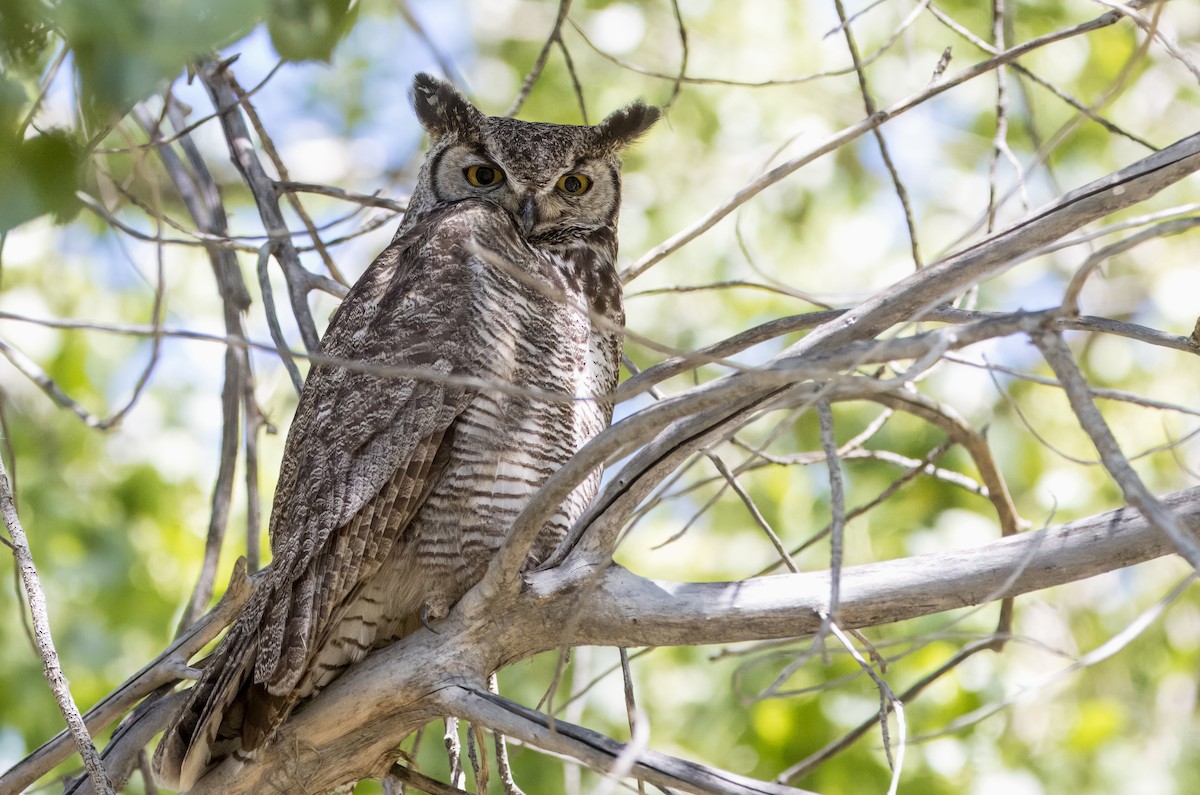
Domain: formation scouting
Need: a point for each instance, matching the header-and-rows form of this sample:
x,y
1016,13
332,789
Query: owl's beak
x,y
528,217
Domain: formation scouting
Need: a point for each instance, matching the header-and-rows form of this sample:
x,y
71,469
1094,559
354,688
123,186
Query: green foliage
x,y
107,532
125,50
308,30
39,174
117,518
25,31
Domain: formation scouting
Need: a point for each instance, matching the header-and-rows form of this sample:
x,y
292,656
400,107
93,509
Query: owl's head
x,y
558,181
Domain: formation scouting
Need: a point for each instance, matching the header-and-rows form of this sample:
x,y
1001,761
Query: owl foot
x,y
432,610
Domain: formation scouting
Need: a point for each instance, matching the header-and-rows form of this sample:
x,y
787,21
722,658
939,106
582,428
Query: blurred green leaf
x,y
24,32
308,30
39,175
124,50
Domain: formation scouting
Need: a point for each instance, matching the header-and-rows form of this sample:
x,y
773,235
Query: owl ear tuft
x,y
441,109
622,127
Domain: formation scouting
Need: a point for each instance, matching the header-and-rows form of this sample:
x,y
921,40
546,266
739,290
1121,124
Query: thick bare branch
x,y
631,611
349,730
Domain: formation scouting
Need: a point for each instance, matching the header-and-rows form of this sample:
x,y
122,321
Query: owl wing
x,y
362,447
363,450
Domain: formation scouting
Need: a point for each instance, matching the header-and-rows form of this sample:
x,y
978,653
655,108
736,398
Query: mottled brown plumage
x,y
397,487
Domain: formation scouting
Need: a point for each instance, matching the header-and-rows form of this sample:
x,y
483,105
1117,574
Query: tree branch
x,y
45,644
169,666
221,88
628,610
597,750
1058,356
350,729
948,277
845,136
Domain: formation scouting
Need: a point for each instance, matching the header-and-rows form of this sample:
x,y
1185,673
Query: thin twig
x,y
41,627
31,370
1000,138
576,86
43,89
638,724
1049,146
836,531
167,668
815,760
755,513
1101,393
226,97
222,493
195,125
564,6
837,505
149,787
884,153
1105,650
1154,31
454,752
423,783
252,422
477,756
503,767
770,83
677,86
1070,300
841,138
268,146
443,60
1059,357
888,701
914,469
1028,74
372,200
268,296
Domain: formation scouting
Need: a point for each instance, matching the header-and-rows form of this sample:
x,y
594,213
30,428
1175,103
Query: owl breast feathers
x,y
473,358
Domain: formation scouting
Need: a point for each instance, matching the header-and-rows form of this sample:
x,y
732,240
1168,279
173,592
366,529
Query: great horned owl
x,y
397,488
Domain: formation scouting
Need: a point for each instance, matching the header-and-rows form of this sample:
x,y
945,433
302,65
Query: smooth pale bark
x,y
349,730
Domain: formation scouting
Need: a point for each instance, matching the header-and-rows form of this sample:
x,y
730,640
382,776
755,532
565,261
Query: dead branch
x,y
227,98
1058,356
840,139
169,666
45,644
349,730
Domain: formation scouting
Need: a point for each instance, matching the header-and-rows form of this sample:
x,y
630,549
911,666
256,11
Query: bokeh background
x,y
117,518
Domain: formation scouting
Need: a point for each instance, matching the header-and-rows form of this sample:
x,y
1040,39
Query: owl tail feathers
x,y
206,729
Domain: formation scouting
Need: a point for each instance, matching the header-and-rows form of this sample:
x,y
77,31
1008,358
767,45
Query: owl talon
x,y
426,615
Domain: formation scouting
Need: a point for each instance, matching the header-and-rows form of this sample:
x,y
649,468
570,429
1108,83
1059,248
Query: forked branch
x,y
350,729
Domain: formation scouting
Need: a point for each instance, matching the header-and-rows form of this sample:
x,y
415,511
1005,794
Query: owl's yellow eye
x,y
574,184
482,176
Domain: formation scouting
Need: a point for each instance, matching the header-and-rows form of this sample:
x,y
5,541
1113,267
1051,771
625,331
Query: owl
x,y
474,357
